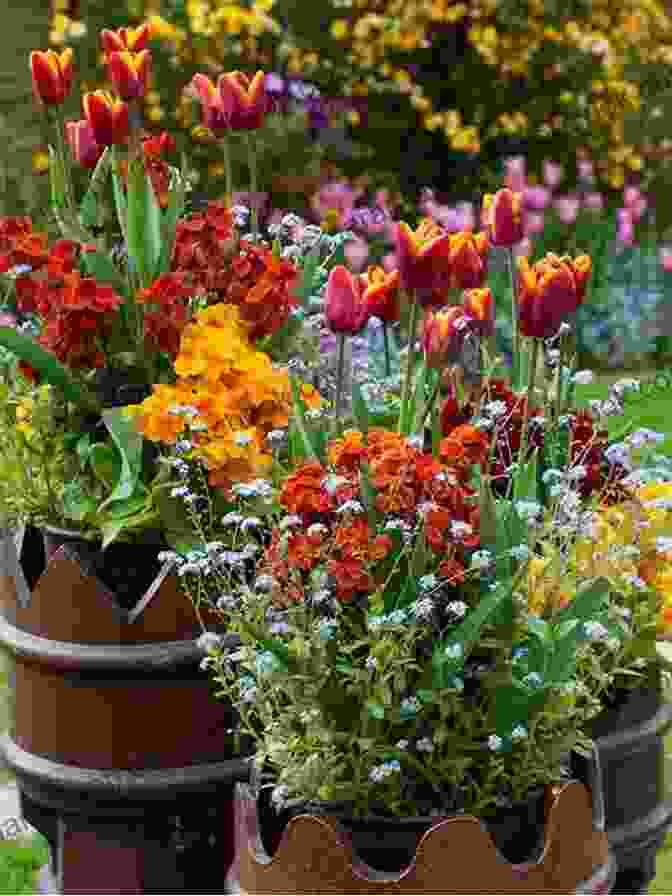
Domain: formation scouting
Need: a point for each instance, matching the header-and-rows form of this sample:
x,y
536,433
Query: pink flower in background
x,y
515,177
356,254
536,198
552,173
7,320
524,247
638,208
276,217
625,227
389,262
593,201
631,196
335,196
466,212
534,223
585,169
567,208
665,258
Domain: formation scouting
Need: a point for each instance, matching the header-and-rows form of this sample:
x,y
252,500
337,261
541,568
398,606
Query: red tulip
x,y
422,258
345,307
381,293
443,335
213,113
550,290
82,142
129,73
480,305
131,39
468,259
107,117
503,215
51,75
245,101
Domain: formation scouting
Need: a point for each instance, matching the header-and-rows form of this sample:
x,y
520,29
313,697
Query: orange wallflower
x,y
303,491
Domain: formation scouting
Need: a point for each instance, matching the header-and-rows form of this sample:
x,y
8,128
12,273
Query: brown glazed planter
x,y
456,855
116,741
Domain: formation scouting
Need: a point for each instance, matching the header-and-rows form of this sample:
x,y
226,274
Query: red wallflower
x,y
303,491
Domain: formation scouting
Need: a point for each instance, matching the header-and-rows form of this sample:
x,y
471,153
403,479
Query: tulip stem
x,y
410,363
431,401
511,264
252,158
531,382
340,376
228,175
386,348
63,161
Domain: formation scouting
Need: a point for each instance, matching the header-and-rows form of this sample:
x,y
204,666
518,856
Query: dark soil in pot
x,y
389,843
127,569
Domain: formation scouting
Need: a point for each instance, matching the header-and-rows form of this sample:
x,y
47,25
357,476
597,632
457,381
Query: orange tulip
x,y
345,308
129,73
443,336
381,293
503,214
107,116
51,75
422,256
549,293
245,101
132,39
480,304
468,259
82,142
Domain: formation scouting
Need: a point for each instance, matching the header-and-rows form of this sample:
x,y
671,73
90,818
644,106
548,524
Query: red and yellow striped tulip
x,y
51,75
129,73
107,117
245,100
213,114
422,258
133,40
443,336
549,293
480,305
381,293
468,259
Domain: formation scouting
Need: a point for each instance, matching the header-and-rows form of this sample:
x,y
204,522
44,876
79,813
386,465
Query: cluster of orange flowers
x,y
228,395
334,531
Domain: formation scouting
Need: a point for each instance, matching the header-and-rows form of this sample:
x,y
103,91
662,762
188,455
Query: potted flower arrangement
x,y
394,668
101,318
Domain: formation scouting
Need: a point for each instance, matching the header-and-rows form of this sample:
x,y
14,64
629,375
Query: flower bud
x,y
479,304
443,336
51,76
503,217
345,308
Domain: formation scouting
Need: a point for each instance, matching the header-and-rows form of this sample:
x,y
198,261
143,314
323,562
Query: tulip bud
x,y
107,117
129,73
443,336
244,101
549,293
503,214
82,142
381,293
345,308
51,76
480,305
468,259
